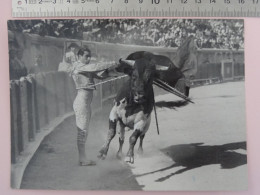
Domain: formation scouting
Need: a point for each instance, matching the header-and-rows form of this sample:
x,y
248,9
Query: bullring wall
x,y
52,50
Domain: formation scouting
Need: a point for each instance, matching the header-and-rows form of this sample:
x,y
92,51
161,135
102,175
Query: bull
x,y
134,102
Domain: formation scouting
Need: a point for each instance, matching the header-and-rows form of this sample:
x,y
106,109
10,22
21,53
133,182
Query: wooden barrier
x,y
14,121
31,107
60,92
51,97
38,99
41,114
70,92
24,111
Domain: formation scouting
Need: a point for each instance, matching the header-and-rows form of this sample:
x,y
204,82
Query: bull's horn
x,y
160,67
129,62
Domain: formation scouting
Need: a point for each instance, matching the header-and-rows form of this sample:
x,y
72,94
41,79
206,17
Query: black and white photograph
x,y
128,104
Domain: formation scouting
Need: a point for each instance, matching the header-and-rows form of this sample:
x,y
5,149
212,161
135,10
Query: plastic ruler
x,y
136,8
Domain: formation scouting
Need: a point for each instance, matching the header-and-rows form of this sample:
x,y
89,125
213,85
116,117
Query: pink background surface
x,y
252,64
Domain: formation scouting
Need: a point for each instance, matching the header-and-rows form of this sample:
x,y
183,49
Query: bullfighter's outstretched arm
x,y
96,67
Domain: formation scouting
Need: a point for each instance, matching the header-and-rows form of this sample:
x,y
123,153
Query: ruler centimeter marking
x,y
136,8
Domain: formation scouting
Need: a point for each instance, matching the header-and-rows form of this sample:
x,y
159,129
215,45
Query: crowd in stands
x,y
223,34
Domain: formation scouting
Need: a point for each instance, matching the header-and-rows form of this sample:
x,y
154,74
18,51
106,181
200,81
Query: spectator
x,y
135,31
69,58
70,55
17,66
38,66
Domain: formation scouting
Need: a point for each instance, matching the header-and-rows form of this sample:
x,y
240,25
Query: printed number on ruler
x,y
136,8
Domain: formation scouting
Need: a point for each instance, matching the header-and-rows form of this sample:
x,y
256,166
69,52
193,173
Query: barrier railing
x,y
38,99
214,80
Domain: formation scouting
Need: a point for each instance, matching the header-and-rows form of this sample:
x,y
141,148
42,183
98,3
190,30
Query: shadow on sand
x,y
195,155
171,104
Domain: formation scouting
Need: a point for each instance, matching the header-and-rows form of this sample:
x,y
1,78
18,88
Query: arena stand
x,y
220,34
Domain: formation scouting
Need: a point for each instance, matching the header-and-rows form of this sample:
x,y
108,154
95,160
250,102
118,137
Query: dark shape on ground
x,y
171,104
193,156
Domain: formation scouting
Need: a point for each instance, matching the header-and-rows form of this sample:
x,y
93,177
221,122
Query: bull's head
x,y
141,72
144,68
